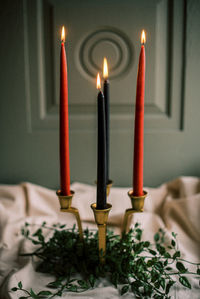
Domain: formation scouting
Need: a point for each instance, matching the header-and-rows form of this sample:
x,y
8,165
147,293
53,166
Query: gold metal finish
x,y
137,207
108,186
101,218
65,206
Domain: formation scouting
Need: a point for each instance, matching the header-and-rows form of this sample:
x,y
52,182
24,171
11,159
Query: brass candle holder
x,y
137,207
101,218
108,187
65,206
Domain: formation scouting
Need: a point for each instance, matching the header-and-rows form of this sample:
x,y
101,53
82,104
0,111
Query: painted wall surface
x,y
29,87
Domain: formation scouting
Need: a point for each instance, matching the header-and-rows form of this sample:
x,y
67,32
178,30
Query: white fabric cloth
x,y
174,206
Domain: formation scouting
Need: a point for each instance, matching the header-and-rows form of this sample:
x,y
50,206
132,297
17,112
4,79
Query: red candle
x,y
64,122
139,123
107,114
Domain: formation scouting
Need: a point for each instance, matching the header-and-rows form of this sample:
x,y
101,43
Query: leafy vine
x,y
132,265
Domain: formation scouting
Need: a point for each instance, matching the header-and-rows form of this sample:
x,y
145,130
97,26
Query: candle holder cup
x,y
65,206
137,203
108,187
101,218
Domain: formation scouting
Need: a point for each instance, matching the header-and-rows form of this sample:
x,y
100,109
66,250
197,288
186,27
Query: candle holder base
x,y
65,206
137,207
101,218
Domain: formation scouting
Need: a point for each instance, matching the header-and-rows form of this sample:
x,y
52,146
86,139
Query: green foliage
x,y
147,270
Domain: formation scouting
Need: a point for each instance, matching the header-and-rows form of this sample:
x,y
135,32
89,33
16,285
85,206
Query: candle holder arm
x,y
65,206
75,212
137,207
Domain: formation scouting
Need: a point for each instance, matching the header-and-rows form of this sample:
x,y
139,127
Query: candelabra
x,y
65,206
137,203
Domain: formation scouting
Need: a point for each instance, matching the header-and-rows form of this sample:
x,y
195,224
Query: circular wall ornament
x,y
107,42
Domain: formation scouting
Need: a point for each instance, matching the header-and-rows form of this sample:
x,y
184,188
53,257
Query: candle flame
x,y
105,68
143,37
98,81
63,34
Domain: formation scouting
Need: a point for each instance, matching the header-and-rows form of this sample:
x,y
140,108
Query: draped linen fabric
x,y
174,206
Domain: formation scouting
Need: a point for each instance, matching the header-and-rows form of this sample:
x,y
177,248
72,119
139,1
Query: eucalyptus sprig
x,y
132,265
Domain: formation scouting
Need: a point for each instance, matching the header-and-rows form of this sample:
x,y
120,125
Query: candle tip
x,y
143,37
98,81
63,34
105,68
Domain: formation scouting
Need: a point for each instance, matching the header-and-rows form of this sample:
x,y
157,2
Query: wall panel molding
x,y
165,65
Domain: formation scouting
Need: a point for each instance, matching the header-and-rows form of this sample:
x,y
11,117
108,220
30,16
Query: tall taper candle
x,y
107,114
64,122
101,160
139,123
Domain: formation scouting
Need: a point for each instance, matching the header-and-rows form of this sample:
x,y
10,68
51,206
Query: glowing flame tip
x,y
105,68
63,34
98,81
143,37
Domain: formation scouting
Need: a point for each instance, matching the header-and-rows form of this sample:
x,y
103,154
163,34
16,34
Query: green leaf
x,y
125,289
62,226
59,293
54,284
154,276
72,288
45,293
173,243
139,234
161,249
174,235
181,267
157,284
20,285
153,252
184,281
38,232
167,255
168,268
156,237
159,266
92,280
33,294
165,263
14,289
83,284
23,297
146,244
35,242
176,254
162,283
169,285
136,285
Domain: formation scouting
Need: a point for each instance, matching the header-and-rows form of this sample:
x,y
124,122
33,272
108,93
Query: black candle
x,y
101,162
107,114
